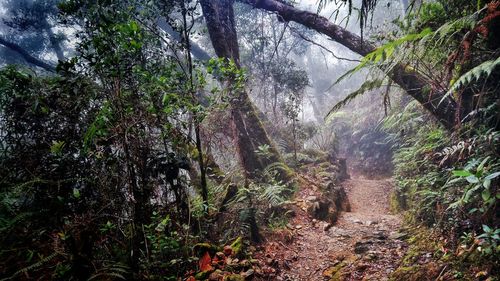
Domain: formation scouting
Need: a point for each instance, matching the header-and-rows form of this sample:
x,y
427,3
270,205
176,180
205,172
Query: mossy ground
x,y
429,257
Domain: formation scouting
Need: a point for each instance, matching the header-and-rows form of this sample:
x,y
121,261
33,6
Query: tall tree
x,y
247,128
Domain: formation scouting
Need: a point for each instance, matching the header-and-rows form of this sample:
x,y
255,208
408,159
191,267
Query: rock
x,y
370,257
228,250
245,264
290,226
201,248
216,275
298,226
203,275
234,277
360,248
398,235
362,266
334,270
237,246
312,198
380,235
357,221
248,273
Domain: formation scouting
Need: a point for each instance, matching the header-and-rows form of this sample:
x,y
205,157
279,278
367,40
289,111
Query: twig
x,y
321,46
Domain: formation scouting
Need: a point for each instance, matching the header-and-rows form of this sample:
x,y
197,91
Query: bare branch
x,y
27,56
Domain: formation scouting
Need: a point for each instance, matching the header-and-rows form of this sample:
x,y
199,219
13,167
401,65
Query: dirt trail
x,y
363,245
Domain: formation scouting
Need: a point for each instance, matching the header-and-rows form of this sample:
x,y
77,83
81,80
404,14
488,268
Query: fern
x,y
34,266
365,87
484,69
7,224
449,29
273,194
114,270
384,52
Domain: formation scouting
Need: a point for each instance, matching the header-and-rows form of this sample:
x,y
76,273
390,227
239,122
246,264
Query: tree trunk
x,y
408,79
248,131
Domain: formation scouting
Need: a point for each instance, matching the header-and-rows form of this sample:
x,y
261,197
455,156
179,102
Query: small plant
x,y
490,240
479,182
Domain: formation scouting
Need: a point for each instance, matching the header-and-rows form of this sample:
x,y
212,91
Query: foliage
x,y
483,70
450,186
97,150
365,87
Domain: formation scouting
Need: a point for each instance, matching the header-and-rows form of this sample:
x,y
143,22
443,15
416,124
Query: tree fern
x,y
484,69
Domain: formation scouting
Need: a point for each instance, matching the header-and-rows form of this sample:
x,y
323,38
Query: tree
x,y
443,109
247,128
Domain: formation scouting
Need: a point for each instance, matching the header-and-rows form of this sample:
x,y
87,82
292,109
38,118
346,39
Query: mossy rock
x,y
201,248
302,159
335,272
234,277
203,275
237,246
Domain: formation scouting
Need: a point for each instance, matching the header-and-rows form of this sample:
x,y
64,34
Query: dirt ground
x,y
365,244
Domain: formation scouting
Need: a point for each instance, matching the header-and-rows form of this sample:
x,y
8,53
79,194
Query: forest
x,y
250,140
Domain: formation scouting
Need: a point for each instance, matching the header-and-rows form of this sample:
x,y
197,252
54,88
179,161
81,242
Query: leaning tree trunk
x,y
408,79
248,131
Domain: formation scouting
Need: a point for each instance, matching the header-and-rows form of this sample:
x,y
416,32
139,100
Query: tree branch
x,y
411,81
26,56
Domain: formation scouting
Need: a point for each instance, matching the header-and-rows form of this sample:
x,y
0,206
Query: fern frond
x,y
274,167
449,29
483,70
7,224
384,52
365,87
36,265
115,270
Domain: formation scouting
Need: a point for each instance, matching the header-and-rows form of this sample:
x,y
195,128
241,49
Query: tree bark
x,y
247,128
409,80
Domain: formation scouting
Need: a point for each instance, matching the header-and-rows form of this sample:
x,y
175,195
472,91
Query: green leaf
x,y
486,194
481,166
76,193
472,179
487,183
492,176
462,173
469,193
486,228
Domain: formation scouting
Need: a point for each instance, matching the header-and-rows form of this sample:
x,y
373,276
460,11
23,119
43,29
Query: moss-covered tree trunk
x,y
248,131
